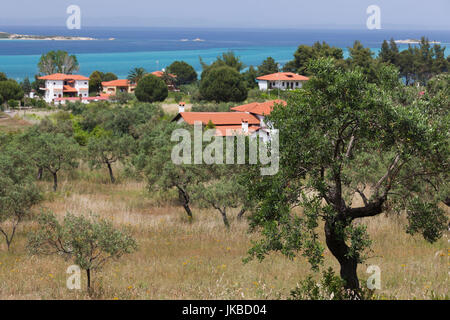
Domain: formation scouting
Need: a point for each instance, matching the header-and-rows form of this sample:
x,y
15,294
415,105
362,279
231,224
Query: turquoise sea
x,y
156,48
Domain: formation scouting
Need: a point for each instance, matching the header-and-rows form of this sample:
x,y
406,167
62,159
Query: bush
x,y
330,287
88,241
13,104
151,89
212,107
223,84
122,97
185,72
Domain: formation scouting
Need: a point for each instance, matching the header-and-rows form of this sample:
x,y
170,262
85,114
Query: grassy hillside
x,y
200,260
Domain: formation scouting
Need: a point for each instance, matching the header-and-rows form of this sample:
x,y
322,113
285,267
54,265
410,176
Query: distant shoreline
x,y
13,36
414,41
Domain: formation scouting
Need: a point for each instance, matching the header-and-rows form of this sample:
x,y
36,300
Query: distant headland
x,y
13,36
414,41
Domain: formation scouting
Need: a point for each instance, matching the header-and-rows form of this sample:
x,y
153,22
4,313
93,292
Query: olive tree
x,y
155,163
342,137
89,241
54,152
223,191
107,149
18,192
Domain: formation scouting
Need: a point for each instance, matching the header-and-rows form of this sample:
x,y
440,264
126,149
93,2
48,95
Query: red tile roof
x,y
69,89
283,76
226,131
62,77
219,118
258,108
83,98
116,83
160,74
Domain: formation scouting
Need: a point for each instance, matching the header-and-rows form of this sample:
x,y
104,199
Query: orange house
x,y
115,86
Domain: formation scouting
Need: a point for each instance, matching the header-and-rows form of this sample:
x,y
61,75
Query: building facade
x,y
249,119
281,81
59,86
115,86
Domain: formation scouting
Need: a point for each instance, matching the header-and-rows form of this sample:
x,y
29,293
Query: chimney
x,y
244,126
181,107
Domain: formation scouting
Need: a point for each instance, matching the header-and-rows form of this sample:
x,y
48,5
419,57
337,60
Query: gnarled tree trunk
x,y
185,199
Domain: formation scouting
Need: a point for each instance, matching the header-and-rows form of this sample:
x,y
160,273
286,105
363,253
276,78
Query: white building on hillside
x,y
59,86
281,80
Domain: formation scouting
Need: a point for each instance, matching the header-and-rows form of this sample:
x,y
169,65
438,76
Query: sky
x,y
395,14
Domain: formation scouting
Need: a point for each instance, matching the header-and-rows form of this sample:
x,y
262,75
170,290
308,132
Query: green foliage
x,y
106,149
18,192
154,162
250,77
89,241
305,54
58,62
185,72
26,86
96,79
95,82
10,90
227,59
54,152
361,58
223,84
349,135
421,63
389,52
151,89
13,104
136,74
212,107
268,66
222,192
123,97
427,219
330,287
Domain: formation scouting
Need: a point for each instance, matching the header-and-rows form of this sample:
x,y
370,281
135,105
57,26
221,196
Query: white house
x,y
59,86
249,119
281,80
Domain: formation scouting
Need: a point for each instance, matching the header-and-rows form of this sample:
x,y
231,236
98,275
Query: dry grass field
x,y
178,259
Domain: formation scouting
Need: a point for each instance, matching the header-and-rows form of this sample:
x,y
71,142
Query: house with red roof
x,y
59,86
170,82
111,88
248,119
281,80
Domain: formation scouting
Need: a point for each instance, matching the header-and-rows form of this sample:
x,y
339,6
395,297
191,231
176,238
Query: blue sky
x,y
395,14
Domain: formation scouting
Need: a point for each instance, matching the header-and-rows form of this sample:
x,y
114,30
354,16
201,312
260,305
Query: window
x,y
296,84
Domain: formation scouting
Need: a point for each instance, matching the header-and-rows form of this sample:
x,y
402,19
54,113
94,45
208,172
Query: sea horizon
x,y
154,48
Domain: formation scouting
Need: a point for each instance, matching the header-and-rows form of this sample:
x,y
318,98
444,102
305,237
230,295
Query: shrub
x,y
185,72
330,287
151,89
223,84
89,241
